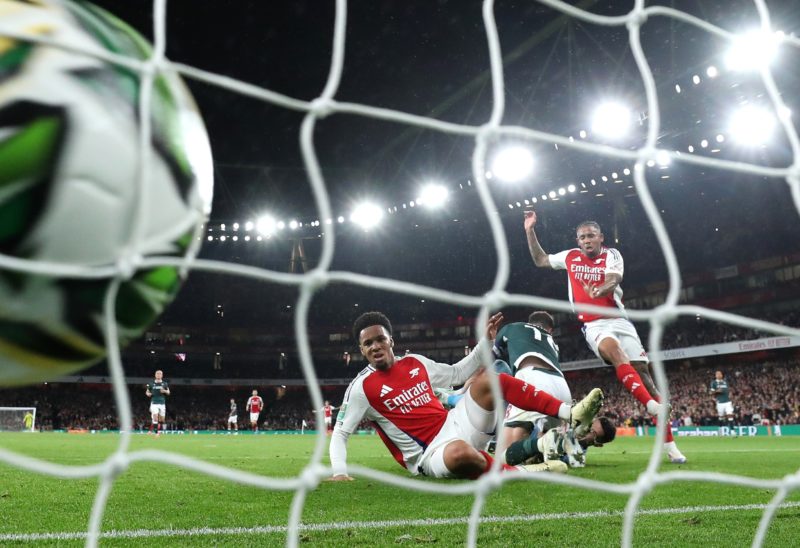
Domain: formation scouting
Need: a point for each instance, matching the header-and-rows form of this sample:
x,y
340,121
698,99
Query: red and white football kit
x,y
254,405
582,269
407,415
327,411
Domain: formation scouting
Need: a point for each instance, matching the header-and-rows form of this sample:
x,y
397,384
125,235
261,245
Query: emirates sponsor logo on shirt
x,y
410,398
586,273
385,390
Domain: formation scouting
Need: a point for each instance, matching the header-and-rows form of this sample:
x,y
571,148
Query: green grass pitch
x,y
151,497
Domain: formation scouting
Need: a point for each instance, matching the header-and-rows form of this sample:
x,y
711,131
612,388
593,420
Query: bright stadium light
x,y
433,195
752,51
751,125
512,163
367,215
266,225
611,120
293,224
249,225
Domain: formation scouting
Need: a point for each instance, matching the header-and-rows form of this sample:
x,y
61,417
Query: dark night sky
x,y
430,58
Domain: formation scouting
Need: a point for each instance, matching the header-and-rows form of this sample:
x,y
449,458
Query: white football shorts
x,y
232,419
159,409
467,421
254,417
724,409
620,330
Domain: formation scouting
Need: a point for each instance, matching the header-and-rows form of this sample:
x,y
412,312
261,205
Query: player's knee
x,y
461,458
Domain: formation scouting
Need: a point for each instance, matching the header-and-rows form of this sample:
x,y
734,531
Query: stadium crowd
x,y
761,392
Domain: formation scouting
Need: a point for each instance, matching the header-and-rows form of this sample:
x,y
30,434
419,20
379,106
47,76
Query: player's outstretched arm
x,y
338,454
539,256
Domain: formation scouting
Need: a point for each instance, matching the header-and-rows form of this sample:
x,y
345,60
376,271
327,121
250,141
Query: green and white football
x,y
71,190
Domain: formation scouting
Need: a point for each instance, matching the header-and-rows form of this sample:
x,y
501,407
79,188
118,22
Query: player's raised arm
x,y
444,376
539,256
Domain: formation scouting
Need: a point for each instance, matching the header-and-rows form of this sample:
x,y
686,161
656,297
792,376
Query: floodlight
x,y
662,158
266,225
512,163
433,195
293,224
611,120
367,215
752,51
249,225
751,125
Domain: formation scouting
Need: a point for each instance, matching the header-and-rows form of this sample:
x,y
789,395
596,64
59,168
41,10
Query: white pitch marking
x,y
322,527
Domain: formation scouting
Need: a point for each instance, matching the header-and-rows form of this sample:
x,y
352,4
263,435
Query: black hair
x,y
609,430
593,224
370,318
543,319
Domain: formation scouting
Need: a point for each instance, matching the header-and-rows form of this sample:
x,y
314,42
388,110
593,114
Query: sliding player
x,y
397,395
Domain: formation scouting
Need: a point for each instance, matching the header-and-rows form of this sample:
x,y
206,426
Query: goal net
x,y
17,419
308,284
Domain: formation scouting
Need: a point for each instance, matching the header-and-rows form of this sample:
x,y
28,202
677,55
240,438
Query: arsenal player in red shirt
x,y
594,274
396,394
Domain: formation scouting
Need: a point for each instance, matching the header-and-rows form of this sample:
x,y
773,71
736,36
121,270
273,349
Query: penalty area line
x,y
323,527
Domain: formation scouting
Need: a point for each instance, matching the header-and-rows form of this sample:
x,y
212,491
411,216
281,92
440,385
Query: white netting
x,y
495,299
17,419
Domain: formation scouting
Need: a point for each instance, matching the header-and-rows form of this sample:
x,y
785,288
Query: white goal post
x,y
17,419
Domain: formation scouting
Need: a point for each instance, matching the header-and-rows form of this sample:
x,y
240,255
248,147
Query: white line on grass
x,y
321,527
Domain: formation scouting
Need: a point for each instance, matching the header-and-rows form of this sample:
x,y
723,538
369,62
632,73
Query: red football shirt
x,y
581,269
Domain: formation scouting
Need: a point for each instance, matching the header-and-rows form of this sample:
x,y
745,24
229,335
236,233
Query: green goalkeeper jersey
x,y
515,341
720,390
156,394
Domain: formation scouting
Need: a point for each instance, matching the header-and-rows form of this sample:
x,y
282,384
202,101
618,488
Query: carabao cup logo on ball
x,y
70,190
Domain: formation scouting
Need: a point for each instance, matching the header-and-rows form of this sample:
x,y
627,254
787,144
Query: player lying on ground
x,y
541,446
594,274
397,395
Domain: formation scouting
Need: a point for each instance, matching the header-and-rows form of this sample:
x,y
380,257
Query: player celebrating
x,y
233,417
157,392
397,395
254,406
594,275
719,388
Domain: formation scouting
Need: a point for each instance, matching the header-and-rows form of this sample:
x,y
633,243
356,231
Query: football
x,y
74,190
